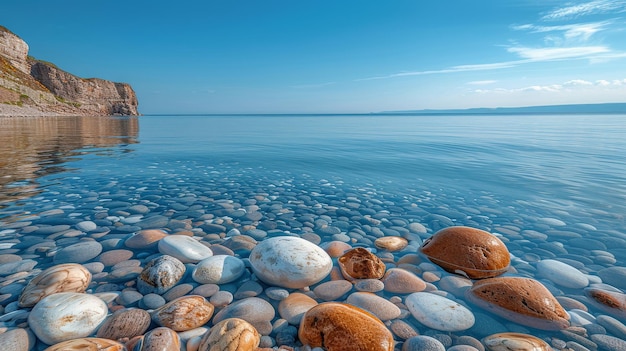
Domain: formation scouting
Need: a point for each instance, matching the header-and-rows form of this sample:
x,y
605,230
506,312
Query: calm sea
x,y
563,176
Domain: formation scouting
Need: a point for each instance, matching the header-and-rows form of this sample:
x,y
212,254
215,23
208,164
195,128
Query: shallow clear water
x,y
512,175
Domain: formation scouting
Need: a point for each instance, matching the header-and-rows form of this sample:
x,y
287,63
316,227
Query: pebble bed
x,y
122,230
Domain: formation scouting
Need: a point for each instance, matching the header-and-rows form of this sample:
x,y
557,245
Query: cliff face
x,y
33,87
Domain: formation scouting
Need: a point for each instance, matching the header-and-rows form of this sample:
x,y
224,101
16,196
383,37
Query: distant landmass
x,y
606,108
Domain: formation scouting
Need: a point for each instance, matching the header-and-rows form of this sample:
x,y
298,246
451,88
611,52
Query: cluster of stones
x,y
229,287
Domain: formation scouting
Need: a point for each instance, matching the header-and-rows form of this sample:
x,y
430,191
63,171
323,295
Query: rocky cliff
x,y
30,87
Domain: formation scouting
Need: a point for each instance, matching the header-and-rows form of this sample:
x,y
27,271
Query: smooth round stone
x,y
67,277
159,339
612,325
277,294
294,306
615,276
206,290
336,248
378,306
184,313
160,274
251,309
609,343
337,327
611,302
232,334
515,341
86,226
369,285
78,253
562,274
467,251
113,257
289,262
218,269
332,290
391,243
423,343
88,344
221,298
145,239
125,323
454,284
152,301
17,339
438,312
401,281
17,267
65,316
359,263
185,248
521,300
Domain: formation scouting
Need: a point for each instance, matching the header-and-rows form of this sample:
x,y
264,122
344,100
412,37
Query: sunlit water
x,y
507,174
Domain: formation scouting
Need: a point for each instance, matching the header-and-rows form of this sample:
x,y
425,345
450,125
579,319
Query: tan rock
x,y
159,339
184,313
125,323
467,251
336,248
68,277
401,281
343,327
359,263
232,334
521,300
391,243
17,339
145,239
515,341
294,306
87,344
611,302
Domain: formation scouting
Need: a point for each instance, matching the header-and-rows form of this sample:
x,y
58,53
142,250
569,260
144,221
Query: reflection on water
x,y
35,147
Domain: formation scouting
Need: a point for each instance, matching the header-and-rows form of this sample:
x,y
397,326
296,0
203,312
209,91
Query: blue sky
x,y
305,56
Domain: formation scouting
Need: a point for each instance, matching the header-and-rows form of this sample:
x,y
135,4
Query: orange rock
x,y
336,248
343,327
521,300
611,302
87,344
145,239
391,243
467,251
401,281
232,334
515,341
359,263
184,313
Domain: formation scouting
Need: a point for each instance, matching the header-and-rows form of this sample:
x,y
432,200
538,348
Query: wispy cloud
x,y
481,82
568,86
579,31
586,8
550,54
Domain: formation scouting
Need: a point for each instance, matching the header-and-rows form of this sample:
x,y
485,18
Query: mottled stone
x,y
611,302
289,262
359,263
232,334
343,327
87,344
125,323
391,243
521,300
184,313
470,252
515,341
159,339
401,281
294,306
68,277
160,274
609,343
17,339
378,306
438,312
65,316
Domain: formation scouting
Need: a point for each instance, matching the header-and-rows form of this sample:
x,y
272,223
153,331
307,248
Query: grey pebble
x,y
80,252
422,343
609,343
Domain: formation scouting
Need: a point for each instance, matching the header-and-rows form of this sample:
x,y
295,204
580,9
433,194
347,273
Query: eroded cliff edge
x,y
30,87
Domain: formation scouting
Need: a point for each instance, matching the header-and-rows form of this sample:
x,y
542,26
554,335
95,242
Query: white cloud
x,y
586,8
549,54
577,82
569,86
579,31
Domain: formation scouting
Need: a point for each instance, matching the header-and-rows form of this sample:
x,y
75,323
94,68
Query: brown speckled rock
x,y
521,300
467,251
160,274
67,277
516,342
159,339
391,243
359,263
125,323
232,334
184,313
87,344
611,302
17,340
343,327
